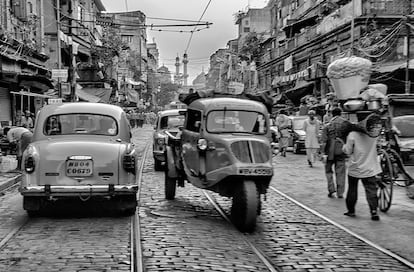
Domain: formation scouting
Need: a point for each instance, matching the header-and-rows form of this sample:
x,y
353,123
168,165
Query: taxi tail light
x,y
29,164
129,163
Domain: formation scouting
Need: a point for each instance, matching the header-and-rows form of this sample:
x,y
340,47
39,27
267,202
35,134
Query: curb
x,y
10,182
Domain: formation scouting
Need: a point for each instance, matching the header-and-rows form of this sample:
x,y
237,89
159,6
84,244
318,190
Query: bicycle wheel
x,y
386,183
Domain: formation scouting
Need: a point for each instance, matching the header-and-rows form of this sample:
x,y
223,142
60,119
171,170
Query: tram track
x,y
266,260
25,225
263,258
359,237
137,264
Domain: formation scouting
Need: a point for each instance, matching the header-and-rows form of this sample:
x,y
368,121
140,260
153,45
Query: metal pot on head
x,y
374,104
354,105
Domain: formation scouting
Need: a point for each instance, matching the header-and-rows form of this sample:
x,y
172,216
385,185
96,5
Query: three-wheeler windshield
x,y
239,121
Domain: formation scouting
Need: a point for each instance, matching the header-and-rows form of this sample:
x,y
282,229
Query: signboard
x,y
288,63
55,101
65,88
60,74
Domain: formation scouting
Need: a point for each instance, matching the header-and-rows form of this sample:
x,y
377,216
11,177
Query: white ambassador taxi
x,y
80,150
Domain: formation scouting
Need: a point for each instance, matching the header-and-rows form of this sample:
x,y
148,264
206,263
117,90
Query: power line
x,y
192,33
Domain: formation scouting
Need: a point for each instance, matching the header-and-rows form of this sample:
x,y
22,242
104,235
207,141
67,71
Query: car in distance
x,y
168,120
80,150
298,135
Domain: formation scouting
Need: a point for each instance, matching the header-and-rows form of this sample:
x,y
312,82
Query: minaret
x,y
177,67
185,75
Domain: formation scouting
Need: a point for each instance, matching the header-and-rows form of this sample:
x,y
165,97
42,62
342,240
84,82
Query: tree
x,y
112,46
167,93
251,47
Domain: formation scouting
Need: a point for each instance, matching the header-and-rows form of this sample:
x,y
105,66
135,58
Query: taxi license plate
x,y
255,171
79,168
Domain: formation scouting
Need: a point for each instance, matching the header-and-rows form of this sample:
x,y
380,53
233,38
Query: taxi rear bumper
x,y
92,190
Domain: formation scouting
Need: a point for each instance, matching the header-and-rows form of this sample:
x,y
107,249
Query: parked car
x,y
167,120
298,135
80,150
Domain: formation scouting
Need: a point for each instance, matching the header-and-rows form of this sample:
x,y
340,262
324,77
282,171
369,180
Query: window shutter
x,y
23,10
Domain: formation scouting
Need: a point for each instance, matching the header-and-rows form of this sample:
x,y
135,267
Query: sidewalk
x,y
307,185
9,179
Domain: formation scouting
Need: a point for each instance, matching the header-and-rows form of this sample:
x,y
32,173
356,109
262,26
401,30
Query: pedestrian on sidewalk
x,y
333,156
283,124
363,165
311,126
21,137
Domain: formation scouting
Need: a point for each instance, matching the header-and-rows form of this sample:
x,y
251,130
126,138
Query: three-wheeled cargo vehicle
x,y
223,147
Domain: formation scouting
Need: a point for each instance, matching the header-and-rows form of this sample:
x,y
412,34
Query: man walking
x,y
331,147
363,165
311,126
283,124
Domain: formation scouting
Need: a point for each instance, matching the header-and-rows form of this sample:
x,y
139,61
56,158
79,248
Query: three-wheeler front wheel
x,y
170,185
245,206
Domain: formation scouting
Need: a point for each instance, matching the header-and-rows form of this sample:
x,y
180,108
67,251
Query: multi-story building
x,y
24,78
133,61
70,36
308,35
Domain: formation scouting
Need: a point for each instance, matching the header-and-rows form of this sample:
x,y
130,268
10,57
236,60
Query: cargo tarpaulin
x,y
132,95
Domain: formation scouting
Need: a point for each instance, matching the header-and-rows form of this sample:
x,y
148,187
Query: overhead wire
x,y
192,33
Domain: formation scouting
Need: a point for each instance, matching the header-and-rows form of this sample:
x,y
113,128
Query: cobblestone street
x,y
188,234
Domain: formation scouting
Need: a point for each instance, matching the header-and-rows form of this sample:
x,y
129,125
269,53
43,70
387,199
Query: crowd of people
x,y
139,118
347,150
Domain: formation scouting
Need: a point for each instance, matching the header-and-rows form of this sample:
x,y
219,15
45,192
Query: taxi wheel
x,y
245,206
170,186
157,165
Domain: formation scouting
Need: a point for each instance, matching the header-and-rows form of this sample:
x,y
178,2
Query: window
x,y
81,13
231,121
30,8
173,121
85,124
246,29
246,22
193,120
127,38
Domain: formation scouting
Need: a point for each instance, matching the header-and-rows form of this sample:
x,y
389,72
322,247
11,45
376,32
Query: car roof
x,y
218,103
170,112
82,107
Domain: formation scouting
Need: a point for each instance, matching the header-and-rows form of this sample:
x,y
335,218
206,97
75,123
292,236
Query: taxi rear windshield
x,y
76,123
230,121
172,121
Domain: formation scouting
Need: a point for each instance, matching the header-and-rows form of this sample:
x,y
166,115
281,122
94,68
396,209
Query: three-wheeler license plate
x,y
79,168
255,171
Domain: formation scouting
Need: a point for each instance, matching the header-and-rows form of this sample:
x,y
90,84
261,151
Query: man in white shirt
x,y
363,165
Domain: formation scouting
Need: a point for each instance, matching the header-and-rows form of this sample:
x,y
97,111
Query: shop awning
x,y
33,94
36,81
301,89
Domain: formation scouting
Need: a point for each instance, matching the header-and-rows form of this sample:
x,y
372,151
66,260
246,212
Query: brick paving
x,y
186,234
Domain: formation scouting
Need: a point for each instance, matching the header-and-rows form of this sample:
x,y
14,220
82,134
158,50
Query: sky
x,y
203,43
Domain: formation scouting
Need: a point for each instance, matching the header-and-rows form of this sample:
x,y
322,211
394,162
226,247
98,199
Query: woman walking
x,y
283,125
311,126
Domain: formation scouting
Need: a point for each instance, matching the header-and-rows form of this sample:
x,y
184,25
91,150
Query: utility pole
x,y
59,57
72,77
407,69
